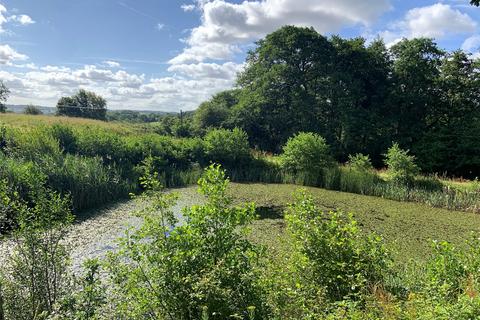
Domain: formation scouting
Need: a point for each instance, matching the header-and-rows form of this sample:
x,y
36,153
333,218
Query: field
x,y
31,121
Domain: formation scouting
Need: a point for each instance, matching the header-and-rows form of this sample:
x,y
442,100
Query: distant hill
x,y
20,108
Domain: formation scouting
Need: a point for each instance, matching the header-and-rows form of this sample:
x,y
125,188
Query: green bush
x,y
401,166
96,142
35,276
201,269
336,256
228,147
360,162
306,152
65,136
32,110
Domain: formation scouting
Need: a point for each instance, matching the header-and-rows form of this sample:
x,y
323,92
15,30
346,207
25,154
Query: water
x,y
98,231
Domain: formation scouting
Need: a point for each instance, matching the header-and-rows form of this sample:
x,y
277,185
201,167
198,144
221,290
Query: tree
x,y
285,86
216,112
475,2
83,104
32,110
414,94
449,145
4,93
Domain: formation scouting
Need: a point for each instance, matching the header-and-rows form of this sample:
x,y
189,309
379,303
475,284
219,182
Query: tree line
x,y
361,97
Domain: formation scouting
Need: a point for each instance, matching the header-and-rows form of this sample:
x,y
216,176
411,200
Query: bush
x,y
336,256
201,269
401,166
96,142
228,147
35,275
65,136
32,110
360,162
306,152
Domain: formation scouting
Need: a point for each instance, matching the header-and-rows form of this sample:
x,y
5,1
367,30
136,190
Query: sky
x,y
171,55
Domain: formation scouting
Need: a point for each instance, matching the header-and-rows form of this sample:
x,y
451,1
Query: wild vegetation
x,y
307,111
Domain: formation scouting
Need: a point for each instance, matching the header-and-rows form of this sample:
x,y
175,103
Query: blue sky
x,y
171,55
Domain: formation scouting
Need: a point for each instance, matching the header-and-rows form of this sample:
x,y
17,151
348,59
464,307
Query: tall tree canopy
x,y
361,97
83,104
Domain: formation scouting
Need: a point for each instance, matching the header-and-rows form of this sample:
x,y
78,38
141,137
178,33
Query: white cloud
x,y
187,7
111,64
227,71
435,21
191,85
160,26
8,54
22,19
3,19
471,44
226,25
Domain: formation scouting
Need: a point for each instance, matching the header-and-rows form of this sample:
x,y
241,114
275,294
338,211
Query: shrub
x,y
336,256
228,147
96,142
401,166
306,152
360,162
32,110
35,277
65,137
201,269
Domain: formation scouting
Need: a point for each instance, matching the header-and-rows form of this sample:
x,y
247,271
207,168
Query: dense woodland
x,y
360,97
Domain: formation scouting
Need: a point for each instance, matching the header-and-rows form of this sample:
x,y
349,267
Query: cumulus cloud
x,y
435,21
22,19
472,45
225,71
8,55
186,89
187,7
111,64
226,25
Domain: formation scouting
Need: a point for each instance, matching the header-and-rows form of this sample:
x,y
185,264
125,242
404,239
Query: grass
x,y
29,121
407,227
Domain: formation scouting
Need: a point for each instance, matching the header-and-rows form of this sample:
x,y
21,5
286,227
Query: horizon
x,y
171,56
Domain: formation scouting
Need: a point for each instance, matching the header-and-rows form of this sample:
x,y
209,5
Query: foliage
x,y
216,111
35,276
228,147
360,163
83,104
306,152
201,268
32,110
338,257
401,166
4,93
87,299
